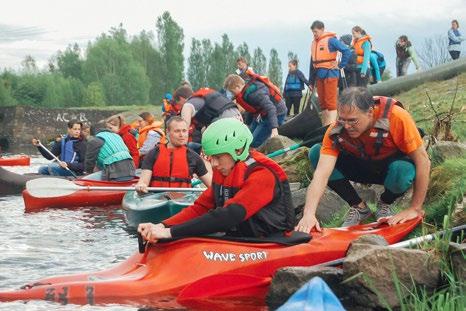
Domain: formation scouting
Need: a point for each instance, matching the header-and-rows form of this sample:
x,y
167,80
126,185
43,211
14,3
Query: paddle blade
x,y
225,285
50,187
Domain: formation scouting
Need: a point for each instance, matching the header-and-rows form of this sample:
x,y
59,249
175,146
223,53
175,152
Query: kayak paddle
x,y
408,243
57,159
56,187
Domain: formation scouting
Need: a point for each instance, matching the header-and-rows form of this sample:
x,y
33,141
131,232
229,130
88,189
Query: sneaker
x,y
356,215
383,210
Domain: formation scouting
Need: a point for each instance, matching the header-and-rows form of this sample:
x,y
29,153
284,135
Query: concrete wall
x,y
18,125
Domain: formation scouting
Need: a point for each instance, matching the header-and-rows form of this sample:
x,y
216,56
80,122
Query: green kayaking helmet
x,y
227,136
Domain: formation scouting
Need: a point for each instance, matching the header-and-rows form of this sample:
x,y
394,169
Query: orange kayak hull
x,y
79,198
21,160
168,269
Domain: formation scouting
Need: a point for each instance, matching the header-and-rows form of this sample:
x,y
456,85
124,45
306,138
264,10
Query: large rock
x,y
444,150
370,271
299,197
297,166
277,143
458,261
458,216
288,280
332,204
364,242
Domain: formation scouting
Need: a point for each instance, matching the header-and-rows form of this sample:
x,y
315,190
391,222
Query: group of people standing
x,y
213,135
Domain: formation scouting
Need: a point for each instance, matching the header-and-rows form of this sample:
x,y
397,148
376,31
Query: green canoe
x,y
155,207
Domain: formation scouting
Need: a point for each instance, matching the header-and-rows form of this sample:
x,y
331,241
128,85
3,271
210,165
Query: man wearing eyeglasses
x,y
373,141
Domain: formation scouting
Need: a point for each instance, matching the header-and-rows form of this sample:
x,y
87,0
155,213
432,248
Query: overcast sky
x,y
41,28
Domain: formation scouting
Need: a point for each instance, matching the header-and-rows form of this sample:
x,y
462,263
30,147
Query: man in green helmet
x,y
249,197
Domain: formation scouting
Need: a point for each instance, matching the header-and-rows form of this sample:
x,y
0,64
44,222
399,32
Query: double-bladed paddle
x,y
56,187
57,159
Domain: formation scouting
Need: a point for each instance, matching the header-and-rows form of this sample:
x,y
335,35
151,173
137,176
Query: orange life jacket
x,y
170,109
279,211
145,130
380,145
274,91
171,168
358,50
321,55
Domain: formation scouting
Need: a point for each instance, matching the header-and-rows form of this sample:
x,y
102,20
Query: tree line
x,y
118,69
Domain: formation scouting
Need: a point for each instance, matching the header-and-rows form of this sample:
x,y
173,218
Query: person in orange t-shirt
x,y
373,141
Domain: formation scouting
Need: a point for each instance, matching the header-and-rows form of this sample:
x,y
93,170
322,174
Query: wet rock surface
x,y
458,261
366,279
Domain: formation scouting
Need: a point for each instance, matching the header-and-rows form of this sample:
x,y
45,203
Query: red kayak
x,y
79,198
19,160
201,268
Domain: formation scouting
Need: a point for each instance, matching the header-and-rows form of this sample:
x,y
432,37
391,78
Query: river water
x,y
60,241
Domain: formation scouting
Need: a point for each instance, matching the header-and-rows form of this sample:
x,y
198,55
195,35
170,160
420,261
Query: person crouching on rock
x,y
108,153
250,195
373,141
173,164
70,150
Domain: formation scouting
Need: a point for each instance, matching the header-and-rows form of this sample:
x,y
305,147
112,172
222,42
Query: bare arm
x,y
315,191
207,179
421,183
187,113
144,181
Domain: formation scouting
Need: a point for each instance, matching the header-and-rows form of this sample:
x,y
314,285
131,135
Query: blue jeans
x,y
261,129
54,169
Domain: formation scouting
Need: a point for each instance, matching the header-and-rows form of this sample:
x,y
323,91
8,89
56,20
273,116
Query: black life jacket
x,y
276,217
215,104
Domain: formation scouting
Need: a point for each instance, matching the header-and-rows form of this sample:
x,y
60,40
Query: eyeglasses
x,y
350,122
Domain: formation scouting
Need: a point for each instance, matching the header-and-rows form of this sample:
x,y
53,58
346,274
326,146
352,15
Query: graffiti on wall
x,y
66,117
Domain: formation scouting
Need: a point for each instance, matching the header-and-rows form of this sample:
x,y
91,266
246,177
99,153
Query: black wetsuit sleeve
x,y
220,219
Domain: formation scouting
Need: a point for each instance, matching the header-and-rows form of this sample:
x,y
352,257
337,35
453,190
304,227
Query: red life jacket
x,y
170,109
321,55
171,168
358,50
214,105
274,91
277,216
378,137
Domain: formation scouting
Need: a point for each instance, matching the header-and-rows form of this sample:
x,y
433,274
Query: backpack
x,y
380,61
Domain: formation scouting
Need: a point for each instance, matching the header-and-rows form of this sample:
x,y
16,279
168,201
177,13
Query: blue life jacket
x,y
293,83
67,153
450,41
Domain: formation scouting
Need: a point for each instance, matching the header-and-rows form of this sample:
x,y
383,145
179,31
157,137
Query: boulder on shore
x,y
375,274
